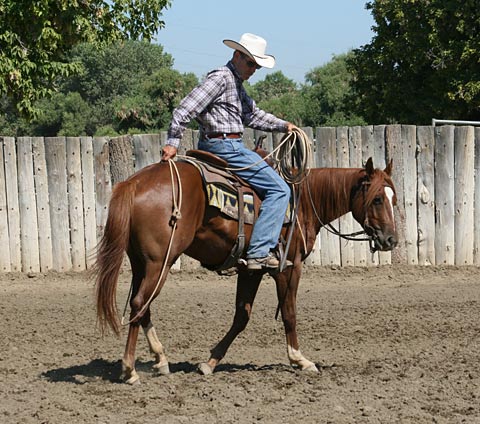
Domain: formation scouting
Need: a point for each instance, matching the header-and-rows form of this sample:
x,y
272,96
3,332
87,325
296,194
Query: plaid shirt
x,y
220,104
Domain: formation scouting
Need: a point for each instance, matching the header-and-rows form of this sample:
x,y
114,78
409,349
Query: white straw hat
x,y
254,47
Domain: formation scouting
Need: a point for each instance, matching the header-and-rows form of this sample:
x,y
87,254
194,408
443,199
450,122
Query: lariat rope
x,y
292,157
176,215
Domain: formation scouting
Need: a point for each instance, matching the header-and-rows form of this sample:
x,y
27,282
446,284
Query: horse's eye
x,y
377,200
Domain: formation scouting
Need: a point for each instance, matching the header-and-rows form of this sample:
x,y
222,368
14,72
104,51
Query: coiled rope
x,y
292,157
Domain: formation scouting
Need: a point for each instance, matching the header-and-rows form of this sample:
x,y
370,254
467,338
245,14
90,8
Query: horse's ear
x,y
369,166
388,169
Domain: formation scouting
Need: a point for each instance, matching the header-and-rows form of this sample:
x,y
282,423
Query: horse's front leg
x,y
287,287
247,287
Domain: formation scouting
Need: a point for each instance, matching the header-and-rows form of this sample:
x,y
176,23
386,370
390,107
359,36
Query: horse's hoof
x,y
133,380
205,369
162,369
311,368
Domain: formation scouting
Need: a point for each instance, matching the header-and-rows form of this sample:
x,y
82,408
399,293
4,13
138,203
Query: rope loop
x,y
293,156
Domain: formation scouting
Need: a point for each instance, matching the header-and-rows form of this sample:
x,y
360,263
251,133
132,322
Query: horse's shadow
x,y
104,370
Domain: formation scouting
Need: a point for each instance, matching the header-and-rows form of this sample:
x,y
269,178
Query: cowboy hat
x,y
254,47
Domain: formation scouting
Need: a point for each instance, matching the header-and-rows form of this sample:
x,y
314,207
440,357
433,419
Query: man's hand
x,y
290,127
168,152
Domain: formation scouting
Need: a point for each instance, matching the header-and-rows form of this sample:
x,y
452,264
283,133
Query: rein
x,y
176,215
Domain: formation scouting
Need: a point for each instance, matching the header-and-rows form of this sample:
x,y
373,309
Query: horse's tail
x,y
110,254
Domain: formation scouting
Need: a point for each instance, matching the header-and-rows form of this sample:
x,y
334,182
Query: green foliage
x,y
113,81
36,35
423,62
325,94
62,114
279,95
273,86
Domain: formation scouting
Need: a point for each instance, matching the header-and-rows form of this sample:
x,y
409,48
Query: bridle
x,y
355,236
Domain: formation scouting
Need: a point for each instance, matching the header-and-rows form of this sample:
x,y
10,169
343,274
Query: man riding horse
x,y
222,107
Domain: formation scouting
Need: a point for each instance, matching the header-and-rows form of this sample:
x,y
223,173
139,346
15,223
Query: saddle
x,y
230,194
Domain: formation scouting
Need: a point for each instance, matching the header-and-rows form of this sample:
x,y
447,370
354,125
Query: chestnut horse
x,y
140,223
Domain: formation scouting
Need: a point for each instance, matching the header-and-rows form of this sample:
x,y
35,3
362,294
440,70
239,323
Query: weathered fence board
x,y
5,261
463,191
88,183
476,219
75,203
444,196
54,193
55,150
410,192
426,196
11,190
146,150
27,207
43,204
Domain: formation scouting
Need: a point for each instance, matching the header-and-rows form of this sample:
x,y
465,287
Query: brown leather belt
x,y
224,135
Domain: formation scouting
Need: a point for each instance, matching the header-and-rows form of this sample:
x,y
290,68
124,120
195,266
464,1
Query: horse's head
x,y
372,206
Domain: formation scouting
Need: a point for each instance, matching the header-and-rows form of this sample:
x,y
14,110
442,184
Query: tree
x,y
422,63
112,74
62,114
325,95
36,35
279,95
273,86
152,107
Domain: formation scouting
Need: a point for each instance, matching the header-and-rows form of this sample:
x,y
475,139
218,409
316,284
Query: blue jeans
x,y
272,189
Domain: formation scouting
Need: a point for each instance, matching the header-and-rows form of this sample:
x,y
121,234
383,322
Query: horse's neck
x,y
330,190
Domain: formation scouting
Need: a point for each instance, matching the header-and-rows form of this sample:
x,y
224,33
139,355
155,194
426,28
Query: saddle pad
x,y
227,202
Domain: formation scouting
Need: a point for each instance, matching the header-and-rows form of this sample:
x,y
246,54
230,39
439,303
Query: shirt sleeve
x,y
193,104
256,118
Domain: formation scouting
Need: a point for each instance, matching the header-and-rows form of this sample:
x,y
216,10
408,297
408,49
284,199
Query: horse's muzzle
x,y
384,242
380,240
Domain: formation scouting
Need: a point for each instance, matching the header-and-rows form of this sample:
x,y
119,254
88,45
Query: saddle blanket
x,y
227,202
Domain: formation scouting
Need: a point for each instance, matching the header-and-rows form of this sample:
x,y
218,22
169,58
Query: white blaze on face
x,y
389,193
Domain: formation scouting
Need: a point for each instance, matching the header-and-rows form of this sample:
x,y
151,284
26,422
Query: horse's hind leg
x,y
247,287
141,294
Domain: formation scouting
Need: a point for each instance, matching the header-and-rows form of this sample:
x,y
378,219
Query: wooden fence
x,y
54,193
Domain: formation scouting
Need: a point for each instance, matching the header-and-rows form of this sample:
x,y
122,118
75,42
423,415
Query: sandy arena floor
x,y
394,345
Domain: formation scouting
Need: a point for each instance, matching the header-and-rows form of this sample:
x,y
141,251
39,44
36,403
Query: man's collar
x,y
231,66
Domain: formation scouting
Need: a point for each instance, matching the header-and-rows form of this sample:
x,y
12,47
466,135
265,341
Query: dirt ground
x,y
393,345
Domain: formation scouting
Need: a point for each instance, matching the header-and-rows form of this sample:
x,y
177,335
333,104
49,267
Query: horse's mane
x,y
334,187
